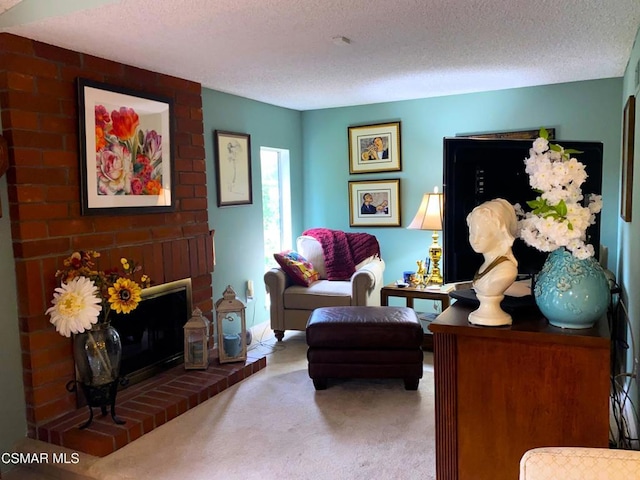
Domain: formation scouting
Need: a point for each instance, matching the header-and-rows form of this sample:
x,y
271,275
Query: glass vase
x,y
570,292
97,353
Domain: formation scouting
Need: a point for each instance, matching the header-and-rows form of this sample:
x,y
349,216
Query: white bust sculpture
x,y
492,230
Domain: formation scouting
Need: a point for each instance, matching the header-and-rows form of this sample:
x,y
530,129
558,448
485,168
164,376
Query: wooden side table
x,y
501,391
411,293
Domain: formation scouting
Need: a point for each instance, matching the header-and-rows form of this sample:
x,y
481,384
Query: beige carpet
x,y
274,425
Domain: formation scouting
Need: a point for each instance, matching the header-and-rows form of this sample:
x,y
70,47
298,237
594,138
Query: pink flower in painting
x,y
102,116
153,145
137,186
143,167
113,170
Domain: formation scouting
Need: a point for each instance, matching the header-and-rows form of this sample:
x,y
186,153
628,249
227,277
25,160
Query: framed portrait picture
x,y
126,160
628,137
374,203
374,148
233,168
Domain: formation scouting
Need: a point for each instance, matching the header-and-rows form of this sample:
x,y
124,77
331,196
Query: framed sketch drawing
x,y
233,168
628,137
126,161
374,203
374,148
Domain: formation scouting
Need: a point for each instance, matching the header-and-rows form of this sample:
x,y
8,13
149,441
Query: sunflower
x,y
76,306
124,296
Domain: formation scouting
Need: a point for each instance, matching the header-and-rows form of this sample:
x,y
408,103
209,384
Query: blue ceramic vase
x,y
571,293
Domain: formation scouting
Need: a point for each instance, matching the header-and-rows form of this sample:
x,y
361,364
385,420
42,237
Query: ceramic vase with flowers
x,y
81,306
571,290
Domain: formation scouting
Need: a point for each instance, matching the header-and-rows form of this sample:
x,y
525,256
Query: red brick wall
x,y
40,124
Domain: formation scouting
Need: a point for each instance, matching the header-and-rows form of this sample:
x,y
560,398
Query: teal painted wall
x,y
32,10
578,111
13,421
238,238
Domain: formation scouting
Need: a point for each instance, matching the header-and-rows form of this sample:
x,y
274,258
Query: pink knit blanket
x,y
343,250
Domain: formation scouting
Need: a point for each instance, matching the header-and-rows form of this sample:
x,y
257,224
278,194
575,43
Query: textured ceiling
x,y
281,51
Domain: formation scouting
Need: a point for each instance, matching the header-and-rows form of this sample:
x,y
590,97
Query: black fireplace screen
x,y
152,335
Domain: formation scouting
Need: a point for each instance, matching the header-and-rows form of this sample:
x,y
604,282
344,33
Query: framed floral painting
x,y
374,203
374,148
126,161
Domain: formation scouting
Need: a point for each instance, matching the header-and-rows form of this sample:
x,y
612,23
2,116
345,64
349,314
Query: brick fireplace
x,y
40,124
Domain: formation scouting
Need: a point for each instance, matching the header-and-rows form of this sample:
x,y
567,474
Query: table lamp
x,y
429,217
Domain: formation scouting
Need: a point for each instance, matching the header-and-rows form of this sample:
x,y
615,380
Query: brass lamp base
x,y
435,254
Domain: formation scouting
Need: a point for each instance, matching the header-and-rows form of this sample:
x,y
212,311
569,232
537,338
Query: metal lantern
x,y
232,328
196,342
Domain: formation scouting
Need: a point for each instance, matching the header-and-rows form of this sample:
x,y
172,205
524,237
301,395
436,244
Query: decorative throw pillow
x,y
311,249
297,267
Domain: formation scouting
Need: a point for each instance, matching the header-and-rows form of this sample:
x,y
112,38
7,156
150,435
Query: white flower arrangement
x,y
76,306
558,217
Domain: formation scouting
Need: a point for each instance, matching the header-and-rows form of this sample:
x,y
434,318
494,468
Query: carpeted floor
x,y
274,425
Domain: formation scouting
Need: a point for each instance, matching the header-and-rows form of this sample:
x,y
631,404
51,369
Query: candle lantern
x,y
196,342
232,328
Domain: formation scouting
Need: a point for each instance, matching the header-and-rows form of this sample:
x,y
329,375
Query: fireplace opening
x,y
152,335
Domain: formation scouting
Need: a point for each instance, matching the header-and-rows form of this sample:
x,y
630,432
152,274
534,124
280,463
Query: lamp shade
x,y
429,216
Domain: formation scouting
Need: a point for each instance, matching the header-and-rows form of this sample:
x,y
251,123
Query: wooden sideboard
x,y
503,390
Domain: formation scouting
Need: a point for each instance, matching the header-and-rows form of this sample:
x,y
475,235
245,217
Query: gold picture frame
x,y
374,203
374,148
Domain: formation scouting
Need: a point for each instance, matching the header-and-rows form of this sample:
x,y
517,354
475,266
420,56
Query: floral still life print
x,y
128,159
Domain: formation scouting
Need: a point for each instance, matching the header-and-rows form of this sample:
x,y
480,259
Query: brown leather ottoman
x,y
364,342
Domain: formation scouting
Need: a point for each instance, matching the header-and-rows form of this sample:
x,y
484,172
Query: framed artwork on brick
x,y
126,160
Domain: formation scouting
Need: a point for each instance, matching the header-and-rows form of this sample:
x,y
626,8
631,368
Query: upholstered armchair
x,y
292,304
579,463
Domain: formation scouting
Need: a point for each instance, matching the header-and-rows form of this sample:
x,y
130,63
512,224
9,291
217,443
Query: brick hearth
x,y
147,405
